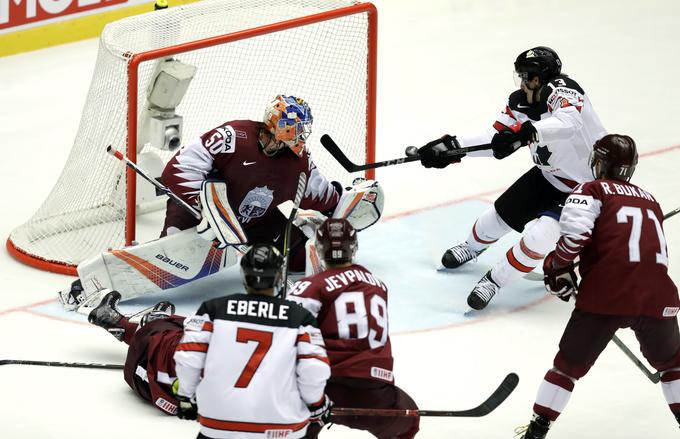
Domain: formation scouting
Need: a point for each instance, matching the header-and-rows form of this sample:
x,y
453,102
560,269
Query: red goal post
x,y
327,57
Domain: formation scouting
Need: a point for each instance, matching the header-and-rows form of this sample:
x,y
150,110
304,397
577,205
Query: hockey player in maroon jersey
x,y
260,162
616,228
552,115
149,366
350,304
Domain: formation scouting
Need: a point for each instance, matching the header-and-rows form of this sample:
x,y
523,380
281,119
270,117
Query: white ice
x,y
444,66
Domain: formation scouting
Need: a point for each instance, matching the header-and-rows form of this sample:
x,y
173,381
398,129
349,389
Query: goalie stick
x,y
299,193
346,163
63,364
161,187
492,402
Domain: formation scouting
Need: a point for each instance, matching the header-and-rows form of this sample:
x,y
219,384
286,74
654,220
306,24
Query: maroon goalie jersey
x,y
350,305
617,229
256,184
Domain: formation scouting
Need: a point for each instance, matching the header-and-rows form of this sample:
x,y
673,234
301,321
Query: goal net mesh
x,y
325,63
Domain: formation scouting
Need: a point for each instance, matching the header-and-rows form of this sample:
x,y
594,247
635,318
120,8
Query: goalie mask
x,y
261,267
289,120
614,156
336,241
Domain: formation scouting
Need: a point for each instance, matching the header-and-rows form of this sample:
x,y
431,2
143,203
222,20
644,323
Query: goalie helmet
x,y
289,120
261,267
539,61
336,241
614,156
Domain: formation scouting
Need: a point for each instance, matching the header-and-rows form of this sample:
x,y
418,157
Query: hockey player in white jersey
x,y
551,114
253,365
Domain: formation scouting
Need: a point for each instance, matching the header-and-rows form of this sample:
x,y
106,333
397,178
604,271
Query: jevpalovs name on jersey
x,y
350,304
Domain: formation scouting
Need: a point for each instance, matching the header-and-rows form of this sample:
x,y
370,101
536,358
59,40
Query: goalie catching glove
x,y
559,281
361,204
219,221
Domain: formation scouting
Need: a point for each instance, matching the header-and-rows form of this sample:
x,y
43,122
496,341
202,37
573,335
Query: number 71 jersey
x,y
617,228
350,305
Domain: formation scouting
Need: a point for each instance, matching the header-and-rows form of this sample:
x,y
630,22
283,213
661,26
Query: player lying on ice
x,y
616,228
237,175
236,352
551,114
357,344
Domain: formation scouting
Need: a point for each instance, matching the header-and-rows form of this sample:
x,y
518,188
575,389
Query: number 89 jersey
x,y
350,305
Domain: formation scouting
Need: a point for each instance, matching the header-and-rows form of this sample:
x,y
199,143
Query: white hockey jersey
x,y
262,362
567,128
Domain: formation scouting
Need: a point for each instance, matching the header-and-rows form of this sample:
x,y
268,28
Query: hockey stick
x,y
346,163
161,187
63,364
653,377
492,402
299,193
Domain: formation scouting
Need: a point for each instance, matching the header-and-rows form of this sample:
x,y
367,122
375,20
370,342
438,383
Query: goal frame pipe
x,y
133,79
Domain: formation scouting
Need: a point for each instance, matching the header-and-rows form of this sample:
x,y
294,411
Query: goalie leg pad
x,y
218,217
154,266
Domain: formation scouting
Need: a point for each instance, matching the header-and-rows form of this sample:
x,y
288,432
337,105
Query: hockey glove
x,y
187,408
508,141
433,154
559,281
321,411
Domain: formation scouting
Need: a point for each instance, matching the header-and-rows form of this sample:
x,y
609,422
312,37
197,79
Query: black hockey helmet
x,y
261,267
336,241
616,155
539,61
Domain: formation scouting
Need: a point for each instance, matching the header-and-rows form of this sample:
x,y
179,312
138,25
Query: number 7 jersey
x,y
350,305
617,229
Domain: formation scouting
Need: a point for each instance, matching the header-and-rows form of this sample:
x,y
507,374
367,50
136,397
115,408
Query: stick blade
x,y
337,154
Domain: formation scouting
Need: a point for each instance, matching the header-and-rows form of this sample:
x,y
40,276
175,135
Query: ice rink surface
x,y
444,67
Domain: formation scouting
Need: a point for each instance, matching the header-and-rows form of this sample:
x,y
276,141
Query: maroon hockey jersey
x,y
617,229
350,305
256,184
150,367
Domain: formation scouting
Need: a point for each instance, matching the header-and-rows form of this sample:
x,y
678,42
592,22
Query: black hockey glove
x,y
508,141
559,281
433,154
186,408
321,411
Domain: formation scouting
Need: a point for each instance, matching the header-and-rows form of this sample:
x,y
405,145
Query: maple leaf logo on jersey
x,y
542,155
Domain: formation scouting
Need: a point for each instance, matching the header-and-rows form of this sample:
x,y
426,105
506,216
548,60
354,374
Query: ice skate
x,y
537,428
459,254
162,310
107,315
483,292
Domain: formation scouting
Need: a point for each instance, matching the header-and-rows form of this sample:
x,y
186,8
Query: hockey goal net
x,y
244,53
